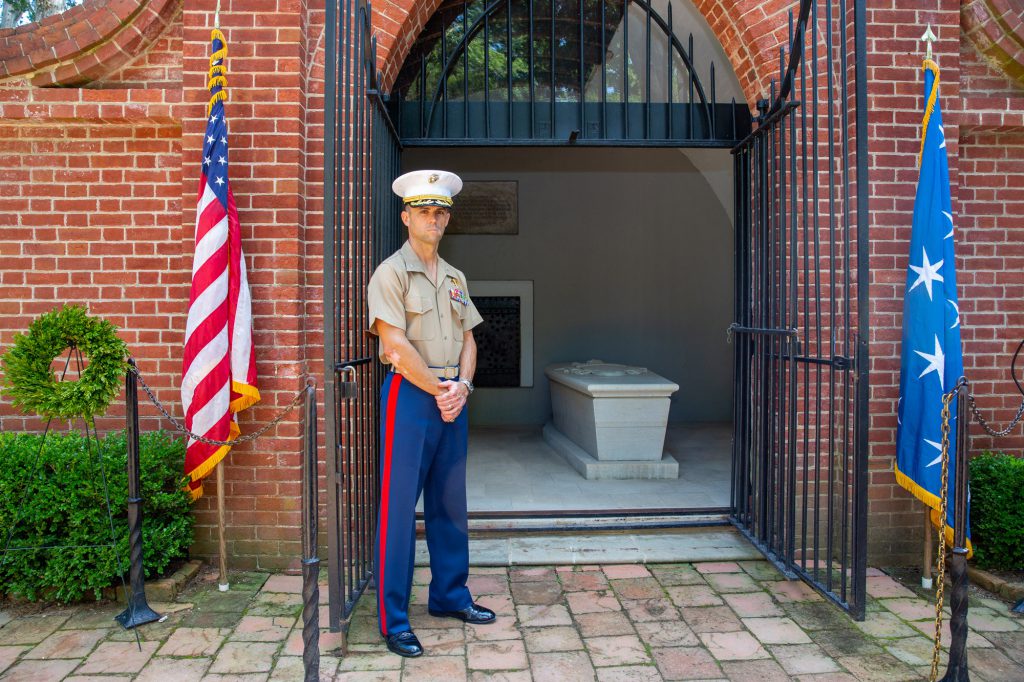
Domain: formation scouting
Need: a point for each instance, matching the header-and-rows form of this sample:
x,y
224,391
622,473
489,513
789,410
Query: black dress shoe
x,y
474,613
404,644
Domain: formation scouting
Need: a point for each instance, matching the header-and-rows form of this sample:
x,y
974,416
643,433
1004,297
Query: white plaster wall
x,y
631,256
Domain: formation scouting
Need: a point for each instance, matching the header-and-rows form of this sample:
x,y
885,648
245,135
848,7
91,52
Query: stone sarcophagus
x,y
609,420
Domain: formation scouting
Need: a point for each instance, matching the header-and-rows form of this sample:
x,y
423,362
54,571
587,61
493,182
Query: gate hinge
x,y
842,362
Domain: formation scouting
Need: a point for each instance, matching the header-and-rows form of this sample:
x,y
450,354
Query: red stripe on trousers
x,y
389,440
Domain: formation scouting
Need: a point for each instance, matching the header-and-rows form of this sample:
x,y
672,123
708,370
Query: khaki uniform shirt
x,y
433,317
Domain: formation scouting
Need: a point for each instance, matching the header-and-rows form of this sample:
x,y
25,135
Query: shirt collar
x,y
414,264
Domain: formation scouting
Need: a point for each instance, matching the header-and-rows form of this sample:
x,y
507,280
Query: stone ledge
x,y
996,585
164,589
611,469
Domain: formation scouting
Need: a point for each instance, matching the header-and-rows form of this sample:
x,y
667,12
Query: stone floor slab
x,y
686,663
879,667
616,571
562,666
694,595
617,650
629,673
733,646
502,655
561,638
543,615
580,581
67,644
539,592
31,629
711,619
244,657
604,624
118,657
9,654
193,642
500,676
36,671
802,659
776,631
759,671
731,582
753,604
638,588
592,602
661,635
718,567
161,669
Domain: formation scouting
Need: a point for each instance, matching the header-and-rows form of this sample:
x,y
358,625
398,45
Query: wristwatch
x,y
469,385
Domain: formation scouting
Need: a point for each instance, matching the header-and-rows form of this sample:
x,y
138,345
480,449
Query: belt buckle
x,y
451,372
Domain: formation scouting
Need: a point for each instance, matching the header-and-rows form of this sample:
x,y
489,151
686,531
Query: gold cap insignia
x,y
433,178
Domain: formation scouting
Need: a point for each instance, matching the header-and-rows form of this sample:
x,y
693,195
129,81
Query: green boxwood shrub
x,y
59,500
997,510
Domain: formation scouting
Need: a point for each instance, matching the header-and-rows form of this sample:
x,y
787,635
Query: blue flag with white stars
x,y
932,359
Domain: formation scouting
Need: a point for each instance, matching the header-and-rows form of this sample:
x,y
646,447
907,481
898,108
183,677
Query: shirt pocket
x,y
419,317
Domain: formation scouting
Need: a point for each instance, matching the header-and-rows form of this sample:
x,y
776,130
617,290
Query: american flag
x,y
219,363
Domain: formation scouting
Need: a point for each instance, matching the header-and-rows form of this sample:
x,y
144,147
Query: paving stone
x,y
1010,643
503,655
562,666
579,581
9,654
732,646
161,669
846,642
629,673
913,651
370,661
791,590
501,604
95,617
67,644
708,567
500,676
487,584
647,610
882,586
532,574
816,615
974,639
263,628
541,592
364,631
731,582
290,669
99,678
686,663
617,650
118,657
505,626
421,575
604,624
826,677
638,588
752,604
447,642
776,630
561,638
913,609
993,666
879,667
329,643
676,574
275,604
618,571
536,616
283,583
375,676
694,595
31,629
5,618
37,671
987,620
212,619
667,634
244,657
760,670
193,642
434,669
236,677
884,624
760,570
802,659
711,619
592,602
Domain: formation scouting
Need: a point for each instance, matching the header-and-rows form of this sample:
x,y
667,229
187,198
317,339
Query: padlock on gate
x,y
347,386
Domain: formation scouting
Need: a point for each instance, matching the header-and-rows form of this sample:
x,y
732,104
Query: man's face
x,y
426,223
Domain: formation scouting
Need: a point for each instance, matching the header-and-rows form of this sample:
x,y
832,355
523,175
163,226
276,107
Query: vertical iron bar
x,y
829,100
647,92
444,77
604,69
465,66
583,85
625,69
423,96
804,325
713,133
794,340
551,49
533,111
816,229
689,101
310,560
847,349
487,73
508,61
670,95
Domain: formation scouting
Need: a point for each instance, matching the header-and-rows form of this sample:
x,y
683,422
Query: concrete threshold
x,y
594,547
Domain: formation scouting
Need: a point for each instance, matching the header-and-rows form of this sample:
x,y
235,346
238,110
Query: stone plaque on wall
x,y
486,208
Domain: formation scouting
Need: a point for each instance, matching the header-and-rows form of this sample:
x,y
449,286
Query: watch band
x,y
469,384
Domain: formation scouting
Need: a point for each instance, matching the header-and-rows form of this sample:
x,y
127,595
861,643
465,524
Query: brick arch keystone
x,y
84,43
750,32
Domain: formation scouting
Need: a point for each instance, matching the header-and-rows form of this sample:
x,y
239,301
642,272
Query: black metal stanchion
x,y
310,560
138,611
957,669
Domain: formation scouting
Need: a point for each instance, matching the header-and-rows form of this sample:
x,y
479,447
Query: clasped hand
x,y
451,399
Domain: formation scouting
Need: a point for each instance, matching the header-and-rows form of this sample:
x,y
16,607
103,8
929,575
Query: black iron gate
x,y
361,227
800,461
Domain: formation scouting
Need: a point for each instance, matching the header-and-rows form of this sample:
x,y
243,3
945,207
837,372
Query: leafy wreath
x,y
30,382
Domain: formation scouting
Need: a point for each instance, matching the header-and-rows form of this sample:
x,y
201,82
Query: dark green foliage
x,y
997,510
29,379
59,500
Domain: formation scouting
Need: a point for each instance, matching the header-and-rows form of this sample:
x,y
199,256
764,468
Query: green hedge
x,y
60,501
997,510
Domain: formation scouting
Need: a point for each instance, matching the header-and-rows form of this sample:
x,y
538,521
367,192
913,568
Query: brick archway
x,y
750,32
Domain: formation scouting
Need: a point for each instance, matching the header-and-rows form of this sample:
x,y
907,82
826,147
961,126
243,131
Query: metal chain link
x,y
984,424
209,441
943,503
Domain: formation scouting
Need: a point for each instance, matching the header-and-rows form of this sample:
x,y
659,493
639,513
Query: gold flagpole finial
x,y
929,37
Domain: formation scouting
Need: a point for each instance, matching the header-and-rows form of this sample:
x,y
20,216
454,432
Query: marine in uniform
x,y
421,310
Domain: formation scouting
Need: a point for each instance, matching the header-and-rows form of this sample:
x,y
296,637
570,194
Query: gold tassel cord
x,y
928,65
217,76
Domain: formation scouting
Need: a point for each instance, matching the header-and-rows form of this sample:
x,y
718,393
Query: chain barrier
x,y
210,441
984,424
943,503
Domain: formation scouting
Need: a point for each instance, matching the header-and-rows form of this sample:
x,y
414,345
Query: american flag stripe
x,y
218,363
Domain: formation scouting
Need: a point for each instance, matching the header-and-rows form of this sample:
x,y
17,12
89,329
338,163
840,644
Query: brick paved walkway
x,y
635,623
